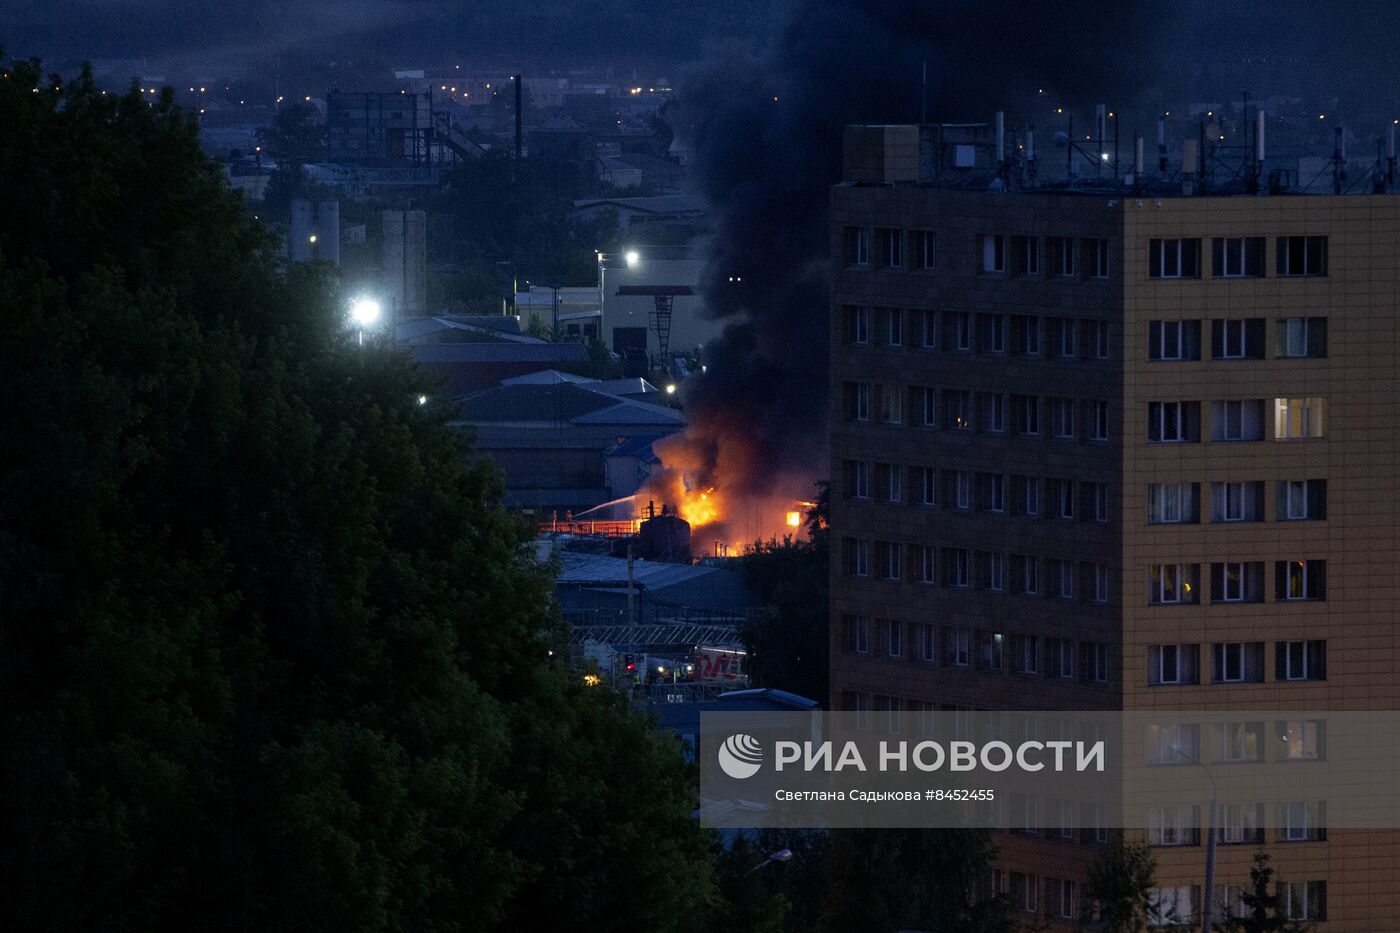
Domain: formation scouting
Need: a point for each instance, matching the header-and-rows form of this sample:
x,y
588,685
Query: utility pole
x,y
631,610
1208,895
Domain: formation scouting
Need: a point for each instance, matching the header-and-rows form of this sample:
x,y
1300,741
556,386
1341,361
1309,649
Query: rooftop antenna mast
x,y
923,96
1100,131
1390,154
1339,160
1162,145
1030,155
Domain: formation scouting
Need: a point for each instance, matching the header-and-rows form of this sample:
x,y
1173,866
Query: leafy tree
x,y
1263,907
1121,880
508,210
895,879
271,654
288,182
297,133
788,645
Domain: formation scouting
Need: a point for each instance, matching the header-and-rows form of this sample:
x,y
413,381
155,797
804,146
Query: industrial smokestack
x,y
1001,137
1259,137
1030,143
1162,146
1138,164
1390,144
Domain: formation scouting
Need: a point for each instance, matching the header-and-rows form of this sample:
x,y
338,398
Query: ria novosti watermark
x,y
1060,772
741,756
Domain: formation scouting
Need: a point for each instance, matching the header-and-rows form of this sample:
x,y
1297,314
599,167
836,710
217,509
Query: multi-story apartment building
x,y
1095,449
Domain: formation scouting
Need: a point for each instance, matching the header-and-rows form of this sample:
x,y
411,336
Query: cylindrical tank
x,y
300,229
665,537
328,231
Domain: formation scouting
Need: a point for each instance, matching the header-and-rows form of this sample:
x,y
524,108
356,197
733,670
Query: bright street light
x,y
632,258
364,312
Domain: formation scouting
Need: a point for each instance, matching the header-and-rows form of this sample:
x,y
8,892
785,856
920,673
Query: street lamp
x,y
364,312
1208,895
631,257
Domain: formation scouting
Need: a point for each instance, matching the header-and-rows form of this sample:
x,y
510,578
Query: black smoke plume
x,y
764,133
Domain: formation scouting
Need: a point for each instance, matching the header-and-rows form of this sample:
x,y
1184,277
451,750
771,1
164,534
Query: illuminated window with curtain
x,y
1299,418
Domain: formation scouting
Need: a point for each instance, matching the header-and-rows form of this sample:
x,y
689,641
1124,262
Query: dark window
x,y
1237,257
857,324
1301,500
1174,259
1302,336
1173,340
1061,250
1237,339
1300,660
1302,255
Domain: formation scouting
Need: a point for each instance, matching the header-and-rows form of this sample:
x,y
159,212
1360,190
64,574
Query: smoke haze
x,y
764,130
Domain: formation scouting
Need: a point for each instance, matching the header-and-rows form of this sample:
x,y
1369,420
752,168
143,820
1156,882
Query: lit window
x,y
1174,583
1301,579
1302,739
1297,418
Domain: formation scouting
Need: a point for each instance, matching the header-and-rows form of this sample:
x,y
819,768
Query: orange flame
x,y
713,488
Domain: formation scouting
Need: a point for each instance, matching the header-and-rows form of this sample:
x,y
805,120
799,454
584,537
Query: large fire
x,y
728,507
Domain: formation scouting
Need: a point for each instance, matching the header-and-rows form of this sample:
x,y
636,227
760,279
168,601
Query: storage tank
x,y
664,537
299,231
328,232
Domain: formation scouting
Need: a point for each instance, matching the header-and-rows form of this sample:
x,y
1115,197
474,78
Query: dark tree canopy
x,y
271,655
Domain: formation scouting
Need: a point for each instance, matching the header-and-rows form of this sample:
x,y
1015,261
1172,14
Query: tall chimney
x,y
1389,174
1137,160
1030,143
1001,137
1259,136
1162,146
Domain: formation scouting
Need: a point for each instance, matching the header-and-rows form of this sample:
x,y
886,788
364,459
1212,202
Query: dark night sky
x,y
402,31
1344,48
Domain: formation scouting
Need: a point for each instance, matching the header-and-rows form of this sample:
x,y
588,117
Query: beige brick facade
x,y
1349,658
